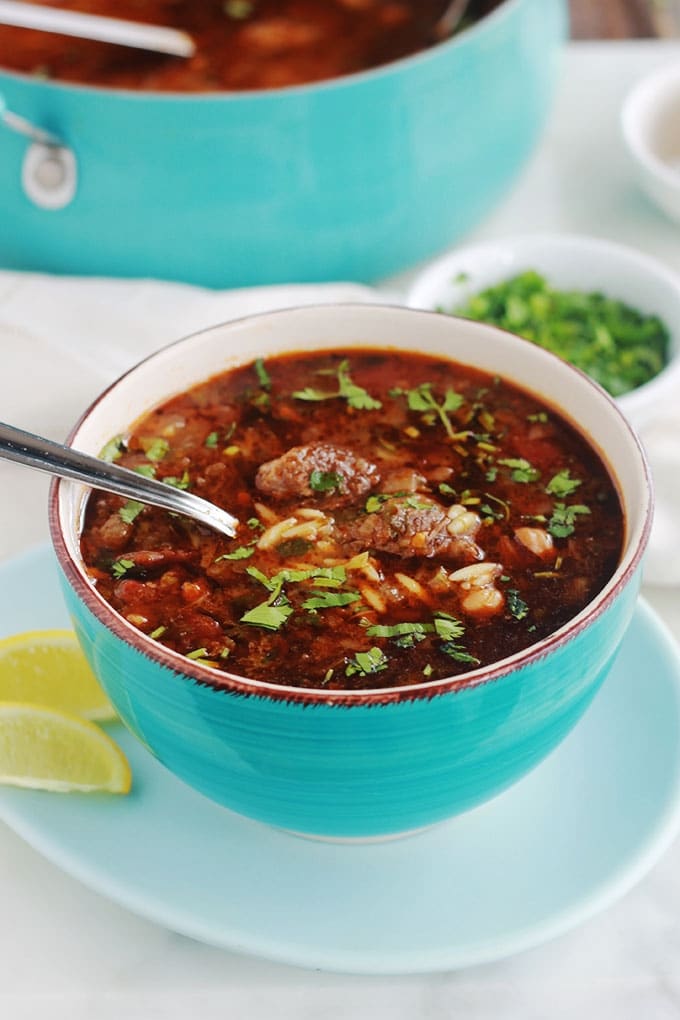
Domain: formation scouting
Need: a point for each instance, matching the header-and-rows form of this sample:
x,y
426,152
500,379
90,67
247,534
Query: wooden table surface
x,y
624,19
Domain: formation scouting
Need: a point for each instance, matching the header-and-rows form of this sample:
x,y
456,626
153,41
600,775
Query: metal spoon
x,y
55,459
448,22
92,26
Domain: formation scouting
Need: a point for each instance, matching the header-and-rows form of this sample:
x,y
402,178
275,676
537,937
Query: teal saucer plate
x,y
563,843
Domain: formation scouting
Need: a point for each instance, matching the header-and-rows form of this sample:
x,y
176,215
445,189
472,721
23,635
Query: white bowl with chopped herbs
x,y
609,309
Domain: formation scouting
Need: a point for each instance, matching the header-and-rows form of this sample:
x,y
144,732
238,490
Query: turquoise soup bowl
x,y
354,178
359,763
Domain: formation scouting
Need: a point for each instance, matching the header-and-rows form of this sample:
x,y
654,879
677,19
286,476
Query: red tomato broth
x,y
383,504
253,45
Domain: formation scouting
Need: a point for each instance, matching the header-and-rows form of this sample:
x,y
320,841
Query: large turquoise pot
x,y
355,178
355,764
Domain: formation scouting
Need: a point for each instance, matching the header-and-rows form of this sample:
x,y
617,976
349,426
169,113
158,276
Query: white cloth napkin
x,y
63,339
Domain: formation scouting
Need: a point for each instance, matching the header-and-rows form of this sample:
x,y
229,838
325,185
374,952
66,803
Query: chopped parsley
x,y
330,600
155,449
516,604
617,345
178,483
262,374
120,568
326,481
113,450
563,520
356,396
364,663
130,511
422,399
562,484
241,553
521,469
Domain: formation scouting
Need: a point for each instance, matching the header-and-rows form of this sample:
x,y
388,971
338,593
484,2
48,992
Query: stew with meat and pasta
x,y
404,519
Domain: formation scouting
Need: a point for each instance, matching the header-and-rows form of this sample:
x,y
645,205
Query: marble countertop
x,y
66,952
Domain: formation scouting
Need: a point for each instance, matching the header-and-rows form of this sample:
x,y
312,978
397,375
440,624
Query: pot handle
x,y
49,173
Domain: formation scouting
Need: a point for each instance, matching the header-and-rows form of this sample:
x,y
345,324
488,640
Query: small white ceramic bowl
x,y
568,262
650,122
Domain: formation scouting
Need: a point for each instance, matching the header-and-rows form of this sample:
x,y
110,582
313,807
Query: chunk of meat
x,y
413,526
341,476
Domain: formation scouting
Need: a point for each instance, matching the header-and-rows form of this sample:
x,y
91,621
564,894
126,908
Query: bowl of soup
x,y
441,529
303,142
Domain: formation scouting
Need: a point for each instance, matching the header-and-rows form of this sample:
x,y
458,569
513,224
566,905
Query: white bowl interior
x,y
651,119
567,262
195,359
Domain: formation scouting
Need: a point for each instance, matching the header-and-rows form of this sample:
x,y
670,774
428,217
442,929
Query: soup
x,y
241,44
403,519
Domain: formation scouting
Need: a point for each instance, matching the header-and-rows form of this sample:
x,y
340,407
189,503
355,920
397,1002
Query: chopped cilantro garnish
x,y
373,503
198,653
255,524
363,663
521,469
563,520
262,374
614,343
113,449
326,481
132,509
562,484
516,604
242,553
268,615
155,449
403,634
147,470
455,651
491,474
212,440
446,489
355,396
178,483
448,627
331,600
422,399
121,567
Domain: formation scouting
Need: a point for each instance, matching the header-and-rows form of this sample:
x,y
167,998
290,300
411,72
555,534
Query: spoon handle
x,y
156,38
44,455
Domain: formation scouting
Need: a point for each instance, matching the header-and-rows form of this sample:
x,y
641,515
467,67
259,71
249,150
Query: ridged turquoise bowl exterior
x,y
354,770
355,178
355,764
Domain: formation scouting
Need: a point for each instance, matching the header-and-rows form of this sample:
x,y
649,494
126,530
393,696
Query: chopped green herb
x,y
269,616
563,520
158,632
446,489
448,627
331,600
539,416
404,634
262,374
355,396
113,449
422,399
132,509
363,663
374,503
562,484
121,567
178,483
212,440
455,651
326,481
522,470
427,670
516,604
255,524
147,470
155,449
491,474
242,553
198,653
614,343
